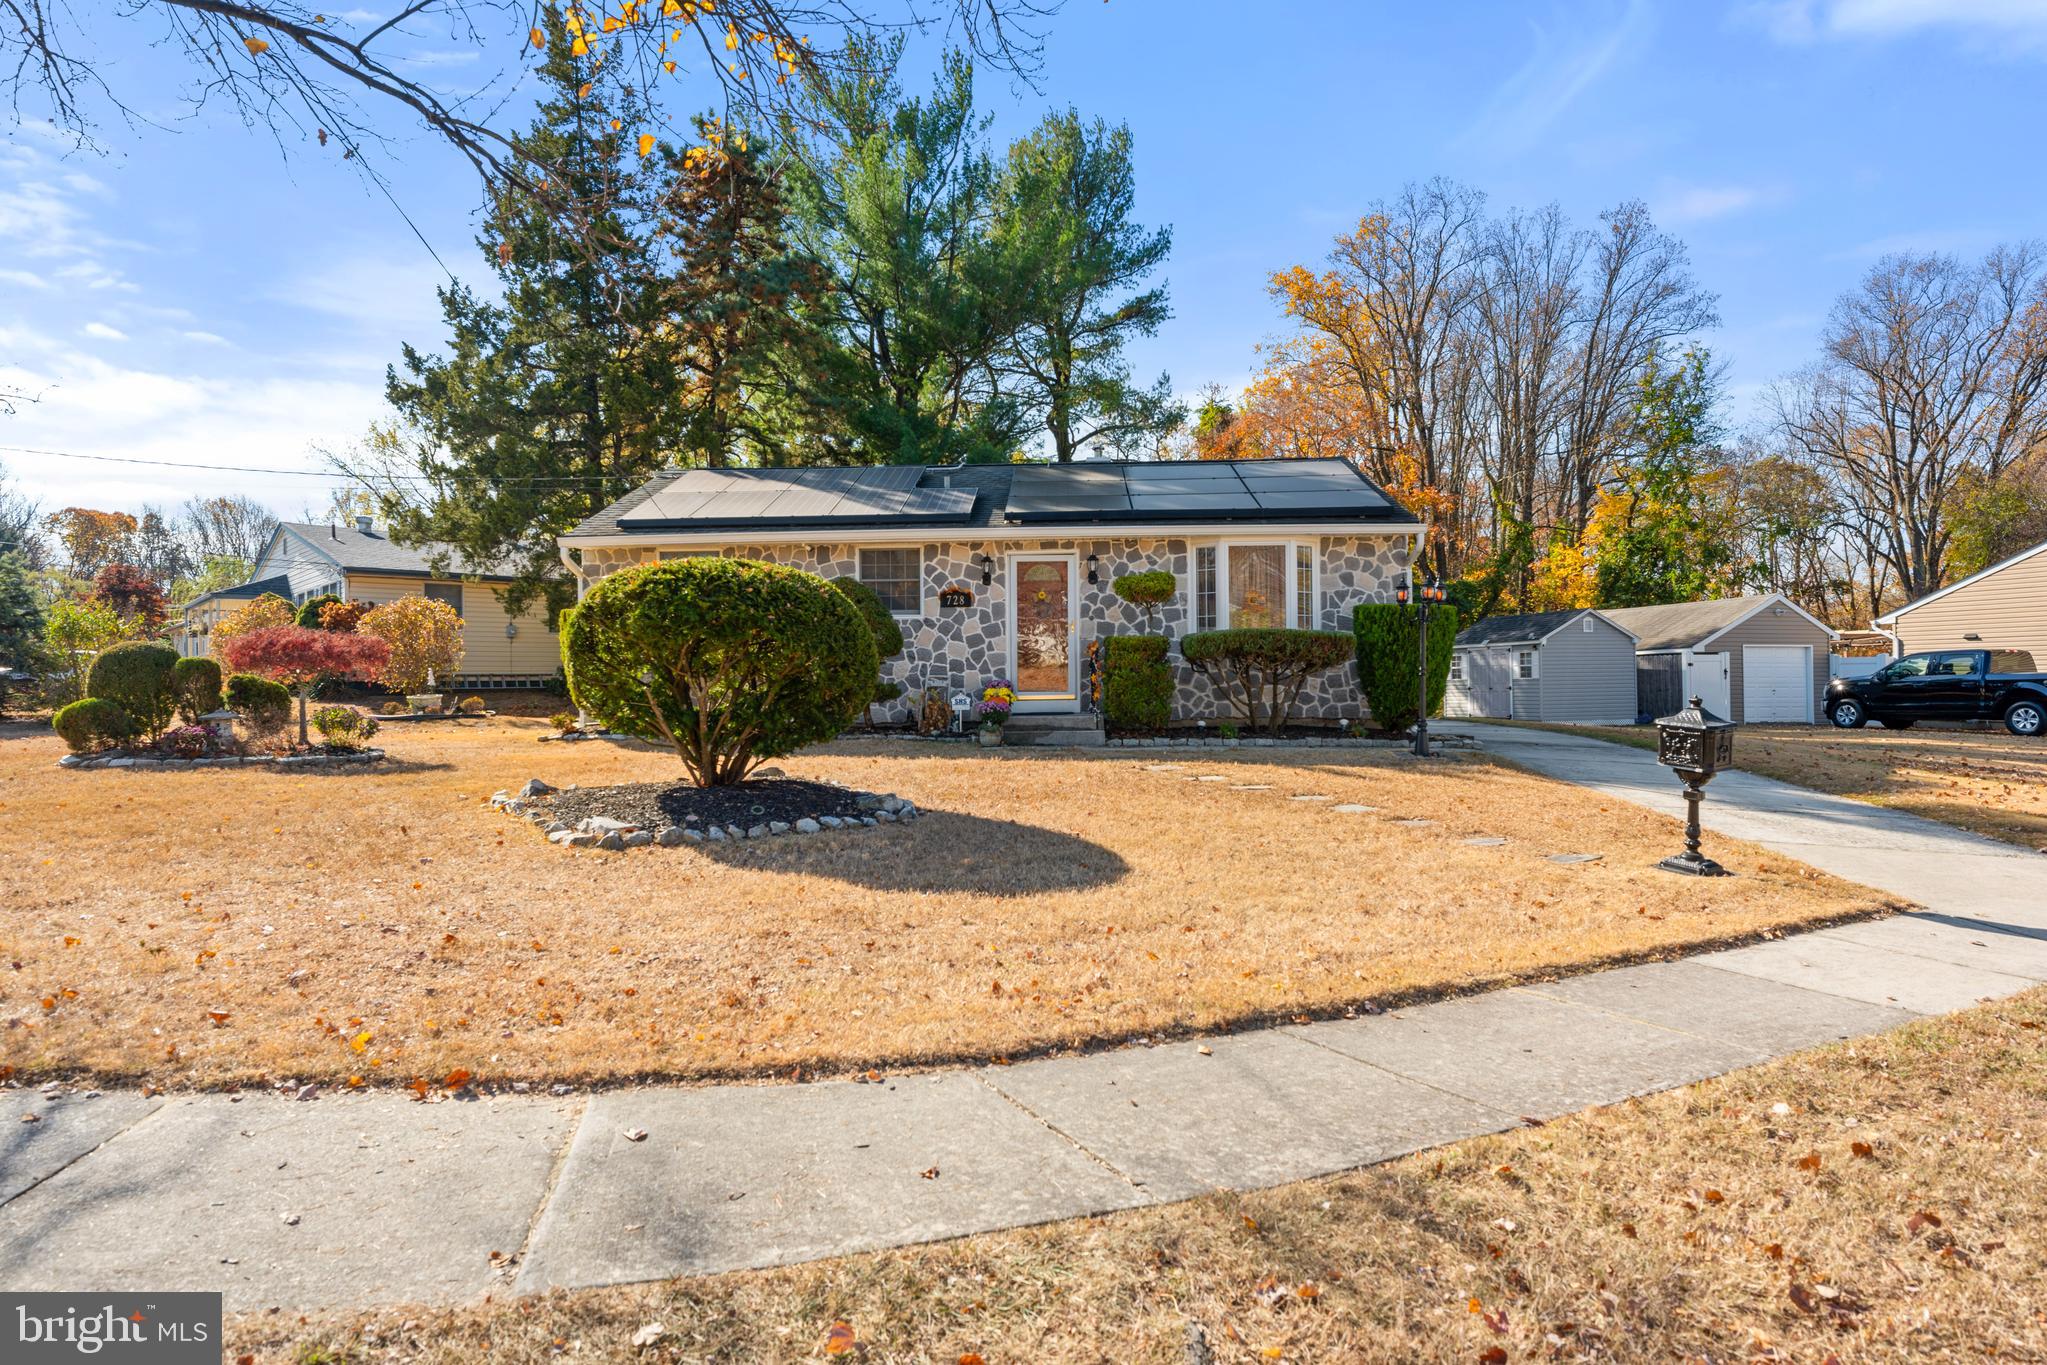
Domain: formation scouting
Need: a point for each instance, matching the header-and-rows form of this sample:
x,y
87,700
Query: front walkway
x,y
362,1200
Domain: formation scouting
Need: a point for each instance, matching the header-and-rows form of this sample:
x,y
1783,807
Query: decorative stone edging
x,y
223,761
599,831
1308,742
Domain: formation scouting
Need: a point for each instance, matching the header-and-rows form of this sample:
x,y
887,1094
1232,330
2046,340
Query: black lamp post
x,y
1426,595
1694,743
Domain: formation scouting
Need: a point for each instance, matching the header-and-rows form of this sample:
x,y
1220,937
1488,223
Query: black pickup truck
x,y
1952,684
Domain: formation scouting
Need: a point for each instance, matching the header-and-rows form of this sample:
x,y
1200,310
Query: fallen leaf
x,y
651,1332
1862,1149
1809,1162
840,1339
930,1174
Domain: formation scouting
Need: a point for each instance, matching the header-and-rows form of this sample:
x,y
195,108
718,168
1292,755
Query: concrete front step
x,y
1054,720
1066,729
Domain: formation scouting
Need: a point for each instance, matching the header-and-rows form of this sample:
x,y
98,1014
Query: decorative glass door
x,y
1041,634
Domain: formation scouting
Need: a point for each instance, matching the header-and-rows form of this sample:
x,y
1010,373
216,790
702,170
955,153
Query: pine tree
x,y
567,395
21,617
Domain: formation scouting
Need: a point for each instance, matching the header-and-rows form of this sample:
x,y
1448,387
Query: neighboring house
x,y
1547,665
1751,659
1006,570
358,564
2003,607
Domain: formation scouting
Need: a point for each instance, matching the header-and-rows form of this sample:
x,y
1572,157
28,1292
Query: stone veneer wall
x,y
958,648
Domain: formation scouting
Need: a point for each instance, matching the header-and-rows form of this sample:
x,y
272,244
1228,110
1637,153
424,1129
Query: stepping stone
x,y
1414,824
1485,841
1250,786
1211,779
1311,798
1353,808
1576,857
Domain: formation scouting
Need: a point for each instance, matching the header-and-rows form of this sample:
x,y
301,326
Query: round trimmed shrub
x,y
344,727
264,705
136,677
195,687
309,610
1150,590
1388,636
93,724
727,661
1137,682
888,635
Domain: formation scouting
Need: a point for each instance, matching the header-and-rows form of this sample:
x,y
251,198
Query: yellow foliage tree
x,y
425,637
260,614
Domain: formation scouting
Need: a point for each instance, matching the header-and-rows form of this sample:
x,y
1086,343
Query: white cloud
x,y
104,332
1982,23
1681,204
206,338
1557,71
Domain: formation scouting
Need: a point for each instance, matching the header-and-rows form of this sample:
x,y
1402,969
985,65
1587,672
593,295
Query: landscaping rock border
x,y
532,804
222,761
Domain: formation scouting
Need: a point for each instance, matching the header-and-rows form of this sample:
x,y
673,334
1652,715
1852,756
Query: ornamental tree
x,y
1149,590
1254,664
424,638
301,659
134,597
727,661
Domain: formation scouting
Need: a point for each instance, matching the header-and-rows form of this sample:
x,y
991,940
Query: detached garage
x,y
1752,659
1547,665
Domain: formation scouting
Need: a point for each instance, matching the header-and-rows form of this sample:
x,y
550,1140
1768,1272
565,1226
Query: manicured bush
x,y
344,616
888,636
301,659
308,614
424,638
136,677
195,687
1150,590
471,706
1137,682
1387,638
1250,663
727,661
262,704
93,724
563,721
258,614
394,708
344,727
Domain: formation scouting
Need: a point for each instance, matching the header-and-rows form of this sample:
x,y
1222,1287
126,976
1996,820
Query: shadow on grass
x,y
938,852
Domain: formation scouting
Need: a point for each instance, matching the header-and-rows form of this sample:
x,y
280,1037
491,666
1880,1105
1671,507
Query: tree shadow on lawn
x,y
940,851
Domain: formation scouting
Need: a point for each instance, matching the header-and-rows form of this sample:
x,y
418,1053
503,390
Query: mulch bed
x,y
654,805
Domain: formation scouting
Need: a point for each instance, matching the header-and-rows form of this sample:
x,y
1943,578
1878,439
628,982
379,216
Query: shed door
x,y
1487,672
1708,677
1776,683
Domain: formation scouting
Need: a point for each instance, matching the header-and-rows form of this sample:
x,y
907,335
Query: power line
x,y
552,479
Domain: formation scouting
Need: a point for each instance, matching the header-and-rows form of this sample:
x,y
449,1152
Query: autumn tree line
x,y
1543,393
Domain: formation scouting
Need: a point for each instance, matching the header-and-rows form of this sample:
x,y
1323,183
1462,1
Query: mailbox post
x,y
1695,744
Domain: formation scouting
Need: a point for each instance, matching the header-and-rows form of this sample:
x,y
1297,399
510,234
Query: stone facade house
x,y
1008,570
500,648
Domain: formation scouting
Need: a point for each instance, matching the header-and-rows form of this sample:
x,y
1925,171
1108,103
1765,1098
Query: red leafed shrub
x,y
299,658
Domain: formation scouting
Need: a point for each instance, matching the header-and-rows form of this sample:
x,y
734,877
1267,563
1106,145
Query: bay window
x,y
1253,585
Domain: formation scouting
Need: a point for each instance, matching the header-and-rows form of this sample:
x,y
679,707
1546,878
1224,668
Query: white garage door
x,y
1776,682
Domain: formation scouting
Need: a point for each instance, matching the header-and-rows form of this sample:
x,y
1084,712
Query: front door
x,y
1042,627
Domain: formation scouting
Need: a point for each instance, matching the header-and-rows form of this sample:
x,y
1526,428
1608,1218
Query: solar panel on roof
x,y
1177,471
1359,500
1193,503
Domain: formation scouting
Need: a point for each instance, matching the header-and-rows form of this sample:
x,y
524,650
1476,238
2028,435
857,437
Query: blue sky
x,y
194,292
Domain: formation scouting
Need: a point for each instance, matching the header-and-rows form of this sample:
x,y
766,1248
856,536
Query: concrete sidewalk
x,y
361,1200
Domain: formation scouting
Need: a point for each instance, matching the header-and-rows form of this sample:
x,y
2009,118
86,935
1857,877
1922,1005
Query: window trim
x,y
460,606
1532,656
1457,665
1290,546
915,547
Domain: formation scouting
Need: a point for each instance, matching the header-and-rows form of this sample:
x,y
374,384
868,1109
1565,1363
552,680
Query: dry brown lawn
x,y
1986,781
1876,1201
214,927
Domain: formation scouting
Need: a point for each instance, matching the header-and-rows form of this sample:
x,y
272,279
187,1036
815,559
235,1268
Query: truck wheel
x,y
2026,718
1847,715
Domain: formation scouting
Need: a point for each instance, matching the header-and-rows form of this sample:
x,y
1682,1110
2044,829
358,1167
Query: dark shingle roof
x,y
362,551
1680,625
249,591
1516,630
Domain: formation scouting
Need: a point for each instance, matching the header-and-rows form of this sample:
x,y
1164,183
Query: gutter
x,y
938,535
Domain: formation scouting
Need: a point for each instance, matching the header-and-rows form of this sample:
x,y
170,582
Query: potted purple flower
x,y
997,697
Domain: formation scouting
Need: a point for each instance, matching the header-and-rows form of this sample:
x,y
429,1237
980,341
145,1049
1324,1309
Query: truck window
x,y
1911,666
2012,661
1961,665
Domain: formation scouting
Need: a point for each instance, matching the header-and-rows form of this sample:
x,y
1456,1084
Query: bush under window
x,y
136,677
308,614
1137,681
1262,670
888,636
727,661
263,705
1387,640
344,727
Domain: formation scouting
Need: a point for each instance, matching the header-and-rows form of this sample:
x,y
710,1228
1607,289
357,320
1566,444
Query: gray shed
x,y
1548,665
1752,659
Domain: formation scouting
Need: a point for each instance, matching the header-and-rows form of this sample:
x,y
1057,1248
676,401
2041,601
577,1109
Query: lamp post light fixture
x,y
1425,596
1695,744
